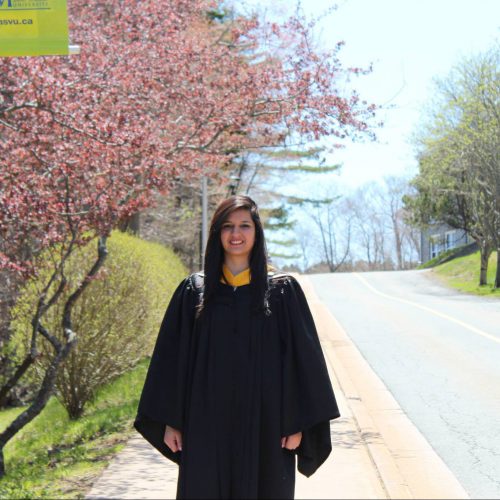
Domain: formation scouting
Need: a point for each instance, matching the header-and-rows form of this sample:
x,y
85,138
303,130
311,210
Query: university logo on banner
x,y
33,28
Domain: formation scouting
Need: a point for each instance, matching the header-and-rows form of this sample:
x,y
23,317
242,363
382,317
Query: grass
x,y
437,260
462,274
54,457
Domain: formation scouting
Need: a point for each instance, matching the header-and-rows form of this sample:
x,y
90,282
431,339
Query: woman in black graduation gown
x,y
237,387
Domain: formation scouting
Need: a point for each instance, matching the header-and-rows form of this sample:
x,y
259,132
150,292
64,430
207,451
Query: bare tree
x,y
391,206
369,228
381,231
334,222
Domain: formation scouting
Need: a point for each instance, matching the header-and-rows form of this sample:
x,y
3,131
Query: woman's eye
x,y
229,226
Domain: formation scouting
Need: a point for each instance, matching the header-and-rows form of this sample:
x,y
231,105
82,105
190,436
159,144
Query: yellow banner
x,y
33,28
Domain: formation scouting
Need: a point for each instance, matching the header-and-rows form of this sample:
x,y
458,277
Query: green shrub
x,y
116,319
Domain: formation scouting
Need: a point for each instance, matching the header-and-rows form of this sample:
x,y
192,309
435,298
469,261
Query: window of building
x,y
449,240
435,246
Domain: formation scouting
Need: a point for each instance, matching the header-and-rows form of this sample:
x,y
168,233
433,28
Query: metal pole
x,y
204,218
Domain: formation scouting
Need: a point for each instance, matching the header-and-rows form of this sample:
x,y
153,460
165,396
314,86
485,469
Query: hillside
x,y
462,273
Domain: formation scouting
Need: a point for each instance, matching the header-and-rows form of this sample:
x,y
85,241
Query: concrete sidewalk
x,y
377,451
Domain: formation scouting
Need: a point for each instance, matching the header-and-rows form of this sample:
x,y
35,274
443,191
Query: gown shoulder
x,y
282,285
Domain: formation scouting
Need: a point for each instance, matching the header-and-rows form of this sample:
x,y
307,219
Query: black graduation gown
x,y
234,383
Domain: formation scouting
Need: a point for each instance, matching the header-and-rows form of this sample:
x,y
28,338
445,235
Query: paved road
x,y
438,352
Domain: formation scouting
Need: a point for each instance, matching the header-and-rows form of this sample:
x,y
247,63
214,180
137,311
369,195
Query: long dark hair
x,y
214,254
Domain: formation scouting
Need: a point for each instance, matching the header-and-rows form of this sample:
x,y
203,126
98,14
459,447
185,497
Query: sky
x,y
409,42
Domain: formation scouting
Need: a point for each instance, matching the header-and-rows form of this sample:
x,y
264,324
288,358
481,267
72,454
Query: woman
x,y
237,385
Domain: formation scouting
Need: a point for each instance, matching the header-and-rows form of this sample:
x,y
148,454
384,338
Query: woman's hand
x,y
291,442
173,439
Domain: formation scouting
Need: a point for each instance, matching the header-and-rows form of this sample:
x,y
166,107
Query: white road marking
x,y
432,311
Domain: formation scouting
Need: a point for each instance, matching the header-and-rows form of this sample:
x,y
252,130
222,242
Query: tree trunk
x,y
485,252
21,370
75,411
36,407
135,223
497,275
399,244
131,224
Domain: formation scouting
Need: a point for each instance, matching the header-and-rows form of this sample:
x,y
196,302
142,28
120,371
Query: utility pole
x,y
204,217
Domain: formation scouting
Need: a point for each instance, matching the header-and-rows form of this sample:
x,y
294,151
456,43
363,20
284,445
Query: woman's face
x,y
238,233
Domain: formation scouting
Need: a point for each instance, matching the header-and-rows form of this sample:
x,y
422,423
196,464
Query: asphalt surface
x,y
438,352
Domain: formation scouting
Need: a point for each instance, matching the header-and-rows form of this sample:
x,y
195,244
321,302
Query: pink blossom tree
x,y
158,92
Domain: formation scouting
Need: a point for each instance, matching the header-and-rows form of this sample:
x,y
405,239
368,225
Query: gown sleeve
x,y
162,398
308,401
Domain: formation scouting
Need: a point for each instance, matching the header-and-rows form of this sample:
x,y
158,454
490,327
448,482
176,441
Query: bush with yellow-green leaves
x,y
116,319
